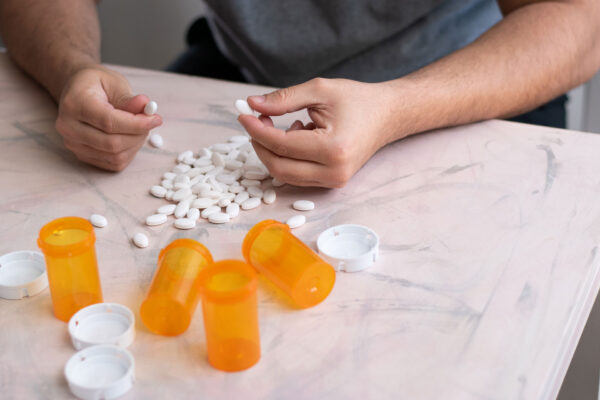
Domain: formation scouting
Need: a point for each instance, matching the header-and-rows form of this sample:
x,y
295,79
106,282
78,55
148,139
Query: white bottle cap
x,y
100,372
102,323
22,273
349,248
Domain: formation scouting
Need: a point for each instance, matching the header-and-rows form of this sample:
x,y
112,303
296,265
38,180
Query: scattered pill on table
x,y
303,205
243,107
184,223
296,221
158,191
156,219
218,218
151,108
140,240
156,140
233,210
193,213
99,221
251,203
167,209
210,210
269,196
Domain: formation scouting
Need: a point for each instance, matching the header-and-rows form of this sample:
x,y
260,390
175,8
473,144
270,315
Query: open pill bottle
x,y
275,252
68,247
230,309
174,293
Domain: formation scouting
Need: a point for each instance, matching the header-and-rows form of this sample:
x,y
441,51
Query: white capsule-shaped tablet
x,y
217,160
223,202
239,139
181,168
241,197
184,154
204,152
269,196
193,213
182,209
197,179
169,175
276,182
237,174
233,210
181,194
189,161
156,140
140,240
99,221
210,210
296,221
218,218
184,223
181,185
236,188
303,205
222,148
156,219
250,182
203,202
167,184
203,162
167,209
158,191
181,179
246,148
211,194
150,108
256,175
194,172
255,191
199,187
251,203
243,107
232,155
169,195
226,179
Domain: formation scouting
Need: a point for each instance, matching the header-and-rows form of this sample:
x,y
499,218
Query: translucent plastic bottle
x,y
271,248
174,293
68,247
230,312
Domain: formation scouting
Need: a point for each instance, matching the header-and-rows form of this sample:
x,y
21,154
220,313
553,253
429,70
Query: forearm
x,y
534,54
51,40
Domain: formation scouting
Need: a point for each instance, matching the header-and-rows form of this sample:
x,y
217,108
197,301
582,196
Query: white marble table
x,y
488,269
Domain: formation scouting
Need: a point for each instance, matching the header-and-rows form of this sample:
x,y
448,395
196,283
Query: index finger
x,y
105,117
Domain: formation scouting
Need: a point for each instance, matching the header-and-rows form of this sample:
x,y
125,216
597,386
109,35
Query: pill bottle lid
x,y
102,323
22,273
349,247
100,372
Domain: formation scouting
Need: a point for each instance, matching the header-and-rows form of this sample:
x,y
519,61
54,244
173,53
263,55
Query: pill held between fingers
x,y
210,210
269,196
156,219
218,218
167,209
156,140
158,191
243,107
140,240
251,203
184,223
303,205
99,221
150,108
296,221
276,182
233,210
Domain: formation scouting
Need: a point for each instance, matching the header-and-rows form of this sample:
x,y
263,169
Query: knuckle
x,y
106,123
320,83
341,177
114,144
282,95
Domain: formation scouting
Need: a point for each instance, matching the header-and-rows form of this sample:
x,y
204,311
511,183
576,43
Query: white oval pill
x,y
210,210
243,107
233,164
181,194
167,184
296,221
182,179
193,213
255,175
181,168
99,221
203,202
255,191
156,140
236,189
156,219
233,210
150,108
218,218
140,240
226,178
239,139
169,175
199,187
169,195
158,191
184,223
269,196
223,202
241,197
182,209
185,154
217,160
222,148
250,182
251,203
167,209
303,205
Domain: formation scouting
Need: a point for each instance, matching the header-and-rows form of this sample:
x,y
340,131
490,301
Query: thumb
x,y
132,104
288,99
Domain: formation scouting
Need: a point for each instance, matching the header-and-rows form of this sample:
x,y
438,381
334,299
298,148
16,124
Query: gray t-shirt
x,y
285,42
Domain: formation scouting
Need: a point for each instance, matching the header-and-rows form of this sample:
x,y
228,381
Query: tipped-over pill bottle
x,y
174,293
275,252
230,310
68,247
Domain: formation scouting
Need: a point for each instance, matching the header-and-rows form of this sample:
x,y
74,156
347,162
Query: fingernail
x,y
257,99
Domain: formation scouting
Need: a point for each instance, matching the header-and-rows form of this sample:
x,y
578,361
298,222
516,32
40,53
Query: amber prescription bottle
x,y
230,310
68,247
174,293
275,252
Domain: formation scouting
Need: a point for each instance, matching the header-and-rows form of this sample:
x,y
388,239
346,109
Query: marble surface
x,y
488,267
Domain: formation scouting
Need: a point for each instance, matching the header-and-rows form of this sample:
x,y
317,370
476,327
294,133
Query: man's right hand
x,y
100,120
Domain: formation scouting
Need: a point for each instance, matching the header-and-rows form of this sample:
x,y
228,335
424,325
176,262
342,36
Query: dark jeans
x,y
203,58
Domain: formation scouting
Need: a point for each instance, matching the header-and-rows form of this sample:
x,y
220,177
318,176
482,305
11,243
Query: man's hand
x,y
100,120
350,122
